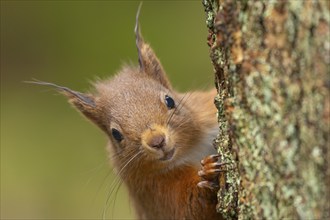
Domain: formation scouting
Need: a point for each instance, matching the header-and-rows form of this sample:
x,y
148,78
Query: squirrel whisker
x,y
177,107
171,115
118,180
180,105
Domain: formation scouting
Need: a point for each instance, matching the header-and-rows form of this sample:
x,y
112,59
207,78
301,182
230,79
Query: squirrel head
x,y
149,125
144,117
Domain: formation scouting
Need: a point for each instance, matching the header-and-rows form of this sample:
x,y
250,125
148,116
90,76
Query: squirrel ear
x,y
84,103
148,61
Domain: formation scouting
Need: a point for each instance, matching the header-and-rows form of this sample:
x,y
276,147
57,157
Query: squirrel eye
x,y
169,102
117,135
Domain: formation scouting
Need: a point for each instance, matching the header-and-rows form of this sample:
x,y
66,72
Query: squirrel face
x,y
143,116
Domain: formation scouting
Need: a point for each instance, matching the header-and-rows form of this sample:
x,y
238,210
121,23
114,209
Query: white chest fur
x,y
200,150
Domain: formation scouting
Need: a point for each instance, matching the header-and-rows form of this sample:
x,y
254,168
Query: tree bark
x,y
271,62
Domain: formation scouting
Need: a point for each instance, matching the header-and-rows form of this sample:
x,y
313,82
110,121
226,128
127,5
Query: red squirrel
x,y
160,141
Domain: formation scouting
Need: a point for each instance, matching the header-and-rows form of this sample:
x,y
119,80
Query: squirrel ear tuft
x,y
148,61
84,103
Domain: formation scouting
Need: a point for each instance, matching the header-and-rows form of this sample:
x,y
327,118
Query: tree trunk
x,y
271,61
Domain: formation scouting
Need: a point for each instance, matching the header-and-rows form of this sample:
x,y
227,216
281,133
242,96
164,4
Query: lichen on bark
x,y
271,61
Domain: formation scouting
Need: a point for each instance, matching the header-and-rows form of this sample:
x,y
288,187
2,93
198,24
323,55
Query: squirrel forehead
x,y
129,89
128,81
130,96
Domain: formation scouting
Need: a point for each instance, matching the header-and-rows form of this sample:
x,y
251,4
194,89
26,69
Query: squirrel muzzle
x,y
155,141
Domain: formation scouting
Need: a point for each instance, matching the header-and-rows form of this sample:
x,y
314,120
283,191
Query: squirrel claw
x,y
209,185
211,168
210,159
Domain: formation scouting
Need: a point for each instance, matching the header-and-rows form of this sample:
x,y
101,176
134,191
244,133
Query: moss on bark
x,y
271,61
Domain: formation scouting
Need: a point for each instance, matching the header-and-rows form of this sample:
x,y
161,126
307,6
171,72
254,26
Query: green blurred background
x,y
53,162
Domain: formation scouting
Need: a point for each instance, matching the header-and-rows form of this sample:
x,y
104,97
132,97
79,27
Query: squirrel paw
x,y
211,168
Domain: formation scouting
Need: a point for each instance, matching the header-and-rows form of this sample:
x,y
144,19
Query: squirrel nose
x,y
157,142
